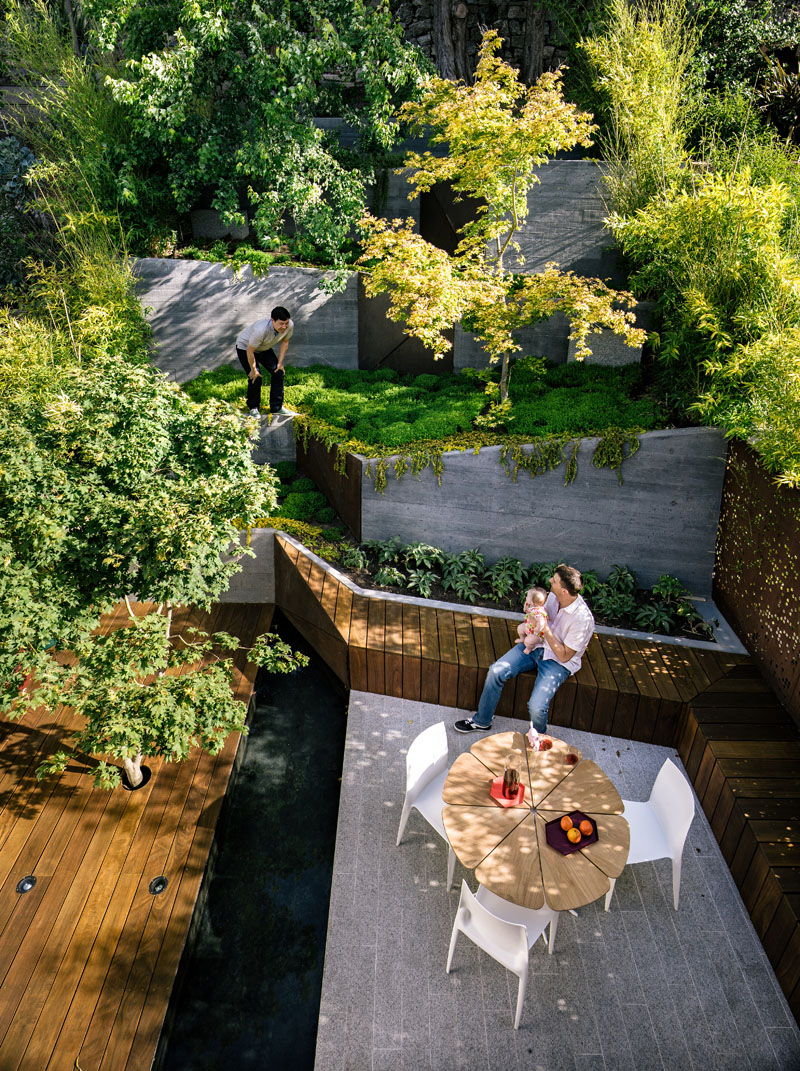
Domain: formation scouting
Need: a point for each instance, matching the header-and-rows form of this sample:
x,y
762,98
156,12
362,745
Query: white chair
x,y
426,770
503,930
659,826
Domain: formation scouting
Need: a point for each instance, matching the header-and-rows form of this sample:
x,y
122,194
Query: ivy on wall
x,y
537,457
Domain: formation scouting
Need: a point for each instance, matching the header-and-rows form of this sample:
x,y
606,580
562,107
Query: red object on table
x,y
496,792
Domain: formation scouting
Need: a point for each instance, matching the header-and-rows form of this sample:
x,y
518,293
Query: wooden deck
x,y
88,957
634,688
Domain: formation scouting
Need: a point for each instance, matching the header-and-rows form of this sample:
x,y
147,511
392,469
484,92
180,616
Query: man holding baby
x,y
565,626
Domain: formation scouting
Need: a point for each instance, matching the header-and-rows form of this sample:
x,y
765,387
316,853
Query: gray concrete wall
x,y
275,441
196,310
256,581
549,338
565,226
662,519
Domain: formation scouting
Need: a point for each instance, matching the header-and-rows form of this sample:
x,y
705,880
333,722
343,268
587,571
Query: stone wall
x,y
197,309
416,18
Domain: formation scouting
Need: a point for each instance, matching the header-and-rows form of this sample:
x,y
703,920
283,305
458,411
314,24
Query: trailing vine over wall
x,y
537,457
610,452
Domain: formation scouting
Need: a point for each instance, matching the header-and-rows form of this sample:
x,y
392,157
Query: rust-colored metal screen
x,y
757,575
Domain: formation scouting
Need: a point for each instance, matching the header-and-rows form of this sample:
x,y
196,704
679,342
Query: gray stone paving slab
x,y
637,988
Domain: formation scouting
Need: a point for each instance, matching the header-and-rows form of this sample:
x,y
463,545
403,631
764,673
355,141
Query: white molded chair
x,y
504,939
660,825
426,770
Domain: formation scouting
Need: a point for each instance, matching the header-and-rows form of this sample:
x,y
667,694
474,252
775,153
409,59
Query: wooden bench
x,y
742,751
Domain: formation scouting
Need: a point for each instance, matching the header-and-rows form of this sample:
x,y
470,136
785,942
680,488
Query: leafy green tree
x,y
716,257
113,482
190,96
146,691
497,133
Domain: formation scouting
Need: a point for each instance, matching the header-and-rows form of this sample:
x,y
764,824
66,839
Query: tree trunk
x,y
460,12
133,770
532,58
76,47
443,39
504,377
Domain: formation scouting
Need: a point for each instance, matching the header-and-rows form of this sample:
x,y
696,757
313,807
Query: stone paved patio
x,y
638,988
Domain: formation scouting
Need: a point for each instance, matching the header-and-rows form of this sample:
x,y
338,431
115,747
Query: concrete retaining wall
x,y
256,581
197,309
662,519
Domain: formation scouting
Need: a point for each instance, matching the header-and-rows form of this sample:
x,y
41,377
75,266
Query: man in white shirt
x,y
254,349
562,643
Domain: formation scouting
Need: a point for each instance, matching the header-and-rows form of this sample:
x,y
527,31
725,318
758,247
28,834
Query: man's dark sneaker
x,y
469,726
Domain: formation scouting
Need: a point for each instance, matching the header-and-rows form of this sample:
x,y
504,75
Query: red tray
x,y
557,838
496,792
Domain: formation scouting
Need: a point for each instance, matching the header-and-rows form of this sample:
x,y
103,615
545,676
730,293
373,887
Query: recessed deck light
x,y
158,885
26,884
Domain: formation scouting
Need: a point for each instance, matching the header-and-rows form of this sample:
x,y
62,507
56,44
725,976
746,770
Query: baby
x,y
535,618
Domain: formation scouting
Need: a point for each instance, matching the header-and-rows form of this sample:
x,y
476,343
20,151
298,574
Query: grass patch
x,y
384,411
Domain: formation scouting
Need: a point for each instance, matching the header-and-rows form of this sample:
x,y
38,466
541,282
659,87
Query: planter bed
x,y
662,518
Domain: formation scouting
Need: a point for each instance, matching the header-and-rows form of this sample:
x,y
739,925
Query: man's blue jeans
x,y
550,675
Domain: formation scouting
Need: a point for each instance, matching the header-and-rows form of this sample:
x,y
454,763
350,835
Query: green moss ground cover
x,y
379,411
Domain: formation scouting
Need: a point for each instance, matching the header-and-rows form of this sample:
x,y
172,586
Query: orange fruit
x,y
586,827
566,822
574,835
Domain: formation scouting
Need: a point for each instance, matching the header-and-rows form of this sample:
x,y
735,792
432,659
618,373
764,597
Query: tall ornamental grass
x,y
641,58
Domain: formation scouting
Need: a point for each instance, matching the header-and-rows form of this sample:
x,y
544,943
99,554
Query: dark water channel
x,y
250,986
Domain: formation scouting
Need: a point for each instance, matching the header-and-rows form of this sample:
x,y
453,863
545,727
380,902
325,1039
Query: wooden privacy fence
x,y
739,746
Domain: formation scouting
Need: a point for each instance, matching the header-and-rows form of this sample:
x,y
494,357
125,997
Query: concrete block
x,y
610,349
662,519
607,348
256,581
197,309
275,441
545,339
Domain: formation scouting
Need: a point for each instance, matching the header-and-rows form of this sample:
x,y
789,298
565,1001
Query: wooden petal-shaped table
x,y
507,846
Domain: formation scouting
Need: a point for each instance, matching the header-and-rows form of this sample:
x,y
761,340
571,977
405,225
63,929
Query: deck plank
x,y
87,939
411,652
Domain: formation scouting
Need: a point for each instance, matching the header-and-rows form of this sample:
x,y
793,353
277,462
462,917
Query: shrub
x,y
421,581
301,506
641,57
284,470
325,515
389,577
303,484
353,558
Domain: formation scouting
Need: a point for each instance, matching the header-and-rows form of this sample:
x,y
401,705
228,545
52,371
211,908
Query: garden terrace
x,y
89,957
740,747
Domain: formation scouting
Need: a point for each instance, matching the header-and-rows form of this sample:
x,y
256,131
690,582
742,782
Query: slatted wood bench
x,y
634,688
742,751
